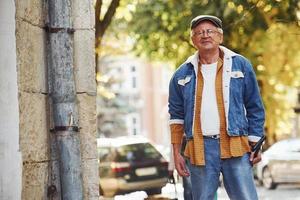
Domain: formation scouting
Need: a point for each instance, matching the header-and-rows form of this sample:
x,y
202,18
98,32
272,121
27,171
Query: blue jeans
x,y
237,175
187,187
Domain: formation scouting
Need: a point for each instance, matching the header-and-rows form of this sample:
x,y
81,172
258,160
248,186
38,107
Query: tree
x,y
161,28
111,106
101,24
278,56
112,103
161,31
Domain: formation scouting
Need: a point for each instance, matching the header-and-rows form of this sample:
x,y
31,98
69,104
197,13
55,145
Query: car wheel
x,y
153,191
267,179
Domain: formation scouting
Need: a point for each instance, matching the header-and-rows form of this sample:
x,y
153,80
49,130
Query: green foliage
x,y
161,28
278,53
155,27
112,105
265,31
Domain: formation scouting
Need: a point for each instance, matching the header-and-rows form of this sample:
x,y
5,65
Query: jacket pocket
x,y
237,85
184,81
237,74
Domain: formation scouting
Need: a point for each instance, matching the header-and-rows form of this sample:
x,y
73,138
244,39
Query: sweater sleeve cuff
x,y
176,133
253,138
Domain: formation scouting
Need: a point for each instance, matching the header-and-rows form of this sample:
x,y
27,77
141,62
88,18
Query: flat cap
x,y
215,20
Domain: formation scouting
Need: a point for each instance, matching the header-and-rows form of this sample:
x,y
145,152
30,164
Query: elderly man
x,y
215,101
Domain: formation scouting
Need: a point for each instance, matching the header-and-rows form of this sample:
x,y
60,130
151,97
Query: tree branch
x,y
97,15
103,24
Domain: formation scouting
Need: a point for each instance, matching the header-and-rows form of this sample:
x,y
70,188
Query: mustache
x,y
213,39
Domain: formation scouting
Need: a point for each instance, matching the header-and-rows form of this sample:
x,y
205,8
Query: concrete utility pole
x,y
63,98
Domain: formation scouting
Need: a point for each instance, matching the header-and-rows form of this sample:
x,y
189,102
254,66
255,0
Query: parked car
x,y
280,164
130,164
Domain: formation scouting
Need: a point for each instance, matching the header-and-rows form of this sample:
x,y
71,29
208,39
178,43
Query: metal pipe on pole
x,y
62,93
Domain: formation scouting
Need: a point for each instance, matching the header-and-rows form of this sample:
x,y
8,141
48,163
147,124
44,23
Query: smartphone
x,y
258,145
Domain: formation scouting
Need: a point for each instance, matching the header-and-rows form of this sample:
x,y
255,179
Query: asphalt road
x,y
283,192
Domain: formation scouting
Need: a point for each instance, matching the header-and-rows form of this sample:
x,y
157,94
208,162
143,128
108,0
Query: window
x,y
133,83
133,124
134,131
137,152
133,120
133,69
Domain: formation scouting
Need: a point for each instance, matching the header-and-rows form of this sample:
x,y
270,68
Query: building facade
x,y
143,88
10,155
26,157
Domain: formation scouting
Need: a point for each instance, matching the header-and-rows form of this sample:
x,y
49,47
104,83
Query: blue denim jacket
x,y
244,109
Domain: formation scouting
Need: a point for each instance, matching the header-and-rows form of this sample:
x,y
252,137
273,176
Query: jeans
x,y
237,175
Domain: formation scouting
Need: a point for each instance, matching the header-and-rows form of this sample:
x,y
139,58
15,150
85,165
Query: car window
x,y
137,152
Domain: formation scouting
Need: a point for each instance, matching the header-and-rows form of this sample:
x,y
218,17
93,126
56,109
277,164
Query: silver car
x,y
280,164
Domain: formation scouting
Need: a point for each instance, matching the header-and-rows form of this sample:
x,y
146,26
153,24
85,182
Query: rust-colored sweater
x,y
230,146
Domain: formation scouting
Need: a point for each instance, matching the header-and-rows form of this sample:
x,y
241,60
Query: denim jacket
x,y
244,109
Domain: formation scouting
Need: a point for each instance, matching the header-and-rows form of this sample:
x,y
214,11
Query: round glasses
x,y
208,32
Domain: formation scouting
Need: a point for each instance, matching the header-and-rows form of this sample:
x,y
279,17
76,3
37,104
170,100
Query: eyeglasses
x,y
209,32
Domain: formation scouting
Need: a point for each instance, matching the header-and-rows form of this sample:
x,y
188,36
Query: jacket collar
x,y
194,59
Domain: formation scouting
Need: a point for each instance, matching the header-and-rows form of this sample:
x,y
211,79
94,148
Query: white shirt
x,y
210,121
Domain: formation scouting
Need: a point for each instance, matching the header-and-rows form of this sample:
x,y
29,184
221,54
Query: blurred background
x,y
146,41
84,89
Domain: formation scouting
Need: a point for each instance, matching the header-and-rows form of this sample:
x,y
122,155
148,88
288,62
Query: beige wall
x,y
154,92
161,76
147,94
33,96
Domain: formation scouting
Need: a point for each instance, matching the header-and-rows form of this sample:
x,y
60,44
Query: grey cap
x,y
215,20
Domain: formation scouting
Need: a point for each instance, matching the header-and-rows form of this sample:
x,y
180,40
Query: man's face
x,y
206,36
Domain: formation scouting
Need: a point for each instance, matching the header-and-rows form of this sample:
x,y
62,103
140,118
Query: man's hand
x,y
255,158
180,165
179,161
256,147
